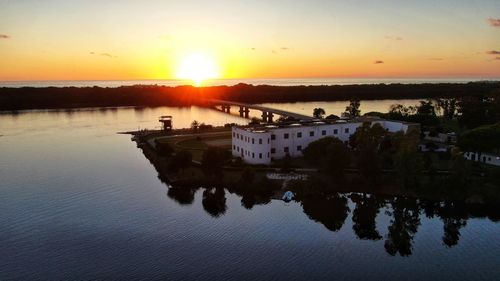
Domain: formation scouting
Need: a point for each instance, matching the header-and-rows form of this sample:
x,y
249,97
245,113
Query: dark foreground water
x,y
79,202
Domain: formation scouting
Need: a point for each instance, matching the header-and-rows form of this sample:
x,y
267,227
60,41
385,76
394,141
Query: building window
x,y
268,141
323,133
346,130
335,131
299,148
234,147
253,155
311,133
234,134
273,137
273,150
260,141
238,149
260,155
268,155
286,136
286,149
253,140
489,158
299,134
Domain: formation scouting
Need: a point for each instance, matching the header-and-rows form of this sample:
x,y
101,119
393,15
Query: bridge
x,y
267,112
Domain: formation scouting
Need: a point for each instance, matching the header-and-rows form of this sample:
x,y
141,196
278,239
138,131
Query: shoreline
x,y
29,98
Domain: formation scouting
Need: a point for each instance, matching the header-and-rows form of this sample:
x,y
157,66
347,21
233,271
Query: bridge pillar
x,y
270,116
267,117
226,108
244,111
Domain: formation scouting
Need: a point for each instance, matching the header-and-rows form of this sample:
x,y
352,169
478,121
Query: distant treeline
x,y
140,95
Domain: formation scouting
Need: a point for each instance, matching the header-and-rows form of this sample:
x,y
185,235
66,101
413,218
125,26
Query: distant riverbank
x,y
153,95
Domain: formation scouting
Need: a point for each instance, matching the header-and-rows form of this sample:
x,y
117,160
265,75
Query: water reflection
x,y
332,212
364,215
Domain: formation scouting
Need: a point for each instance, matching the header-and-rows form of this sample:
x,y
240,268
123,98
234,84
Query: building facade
x,y
487,158
262,144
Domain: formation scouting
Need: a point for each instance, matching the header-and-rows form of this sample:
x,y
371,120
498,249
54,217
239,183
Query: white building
x,y
262,144
487,158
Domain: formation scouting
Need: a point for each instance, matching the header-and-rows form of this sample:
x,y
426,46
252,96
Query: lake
x,y
78,201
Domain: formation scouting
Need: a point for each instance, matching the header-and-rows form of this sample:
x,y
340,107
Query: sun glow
x,y
198,68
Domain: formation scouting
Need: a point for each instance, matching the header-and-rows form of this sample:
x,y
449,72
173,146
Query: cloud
x,y
4,36
395,38
436,59
284,48
108,55
253,49
493,53
378,62
494,22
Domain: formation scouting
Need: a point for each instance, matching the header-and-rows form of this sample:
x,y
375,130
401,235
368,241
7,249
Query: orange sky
x,y
92,40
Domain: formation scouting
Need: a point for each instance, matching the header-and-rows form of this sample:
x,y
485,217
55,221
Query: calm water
x,y
78,201
230,82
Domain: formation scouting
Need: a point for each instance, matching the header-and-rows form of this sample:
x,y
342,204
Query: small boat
x,y
288,196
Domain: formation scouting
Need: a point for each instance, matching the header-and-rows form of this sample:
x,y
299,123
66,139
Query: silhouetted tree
x,y
319,112
180,161
352,110
213,159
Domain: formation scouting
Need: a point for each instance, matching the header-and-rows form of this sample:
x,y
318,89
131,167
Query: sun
x,y
198,68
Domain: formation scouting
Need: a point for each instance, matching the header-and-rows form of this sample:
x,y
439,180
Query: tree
x,y
367,134
314,152
319,113
332,117
254,121
336,158
163,148
448,107
408,160
352,110
481,139
213,159
194,125
180,161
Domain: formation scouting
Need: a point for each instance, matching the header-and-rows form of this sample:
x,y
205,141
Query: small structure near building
x,y
487,158
166,122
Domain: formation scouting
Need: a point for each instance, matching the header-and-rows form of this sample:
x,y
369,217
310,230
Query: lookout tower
x,y
166,122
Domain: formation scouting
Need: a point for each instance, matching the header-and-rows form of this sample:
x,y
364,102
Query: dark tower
x,y
167,122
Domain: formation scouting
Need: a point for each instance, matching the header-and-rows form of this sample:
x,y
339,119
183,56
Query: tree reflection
x,y
454,216
404,225
182,195
214,201
364,215
330,211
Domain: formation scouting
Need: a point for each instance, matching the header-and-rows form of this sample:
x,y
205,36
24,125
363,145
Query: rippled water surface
x,y
78,201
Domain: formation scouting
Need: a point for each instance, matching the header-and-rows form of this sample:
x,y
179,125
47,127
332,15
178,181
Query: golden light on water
x,y
197,67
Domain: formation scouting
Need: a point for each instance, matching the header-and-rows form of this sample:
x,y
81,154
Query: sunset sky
x,y
132,39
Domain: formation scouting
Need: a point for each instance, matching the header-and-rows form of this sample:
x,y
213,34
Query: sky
x,y
133,39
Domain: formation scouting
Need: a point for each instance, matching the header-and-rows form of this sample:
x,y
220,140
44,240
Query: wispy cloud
x,y
378,62
394,38
494,22
493,53
108,55
436,59
4,36
284,48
